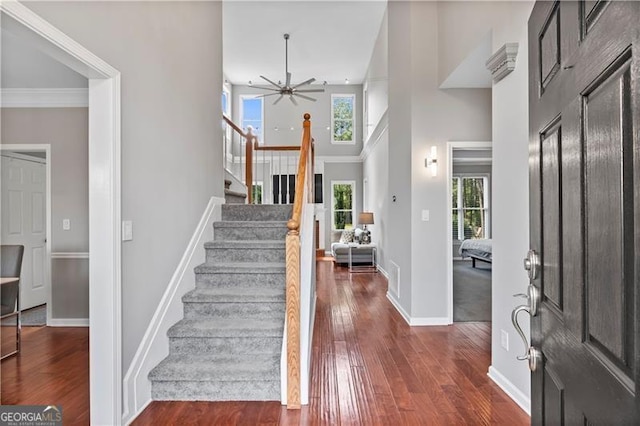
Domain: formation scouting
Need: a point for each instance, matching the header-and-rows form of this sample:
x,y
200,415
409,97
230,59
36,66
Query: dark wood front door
x,y
584,98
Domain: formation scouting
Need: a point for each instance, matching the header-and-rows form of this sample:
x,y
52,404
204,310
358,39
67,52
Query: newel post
x,y
293,314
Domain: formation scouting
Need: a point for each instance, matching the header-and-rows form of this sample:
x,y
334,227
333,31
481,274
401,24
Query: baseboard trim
x,y
416,322
68,322
137,413
510,389
382,271
155,343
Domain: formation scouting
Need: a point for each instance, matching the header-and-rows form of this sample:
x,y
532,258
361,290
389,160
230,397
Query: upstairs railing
x,y
267,171
299,228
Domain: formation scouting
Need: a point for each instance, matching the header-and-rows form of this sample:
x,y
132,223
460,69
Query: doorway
x,y
469,243
26,220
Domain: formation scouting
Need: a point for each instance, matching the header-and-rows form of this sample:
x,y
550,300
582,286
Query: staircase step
x,y
233,197
256,212
234,303
252,377
245,251
254,230
217,336
210,327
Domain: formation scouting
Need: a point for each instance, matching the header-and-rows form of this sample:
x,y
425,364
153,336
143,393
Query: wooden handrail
x,y
293,273
276,148
233,125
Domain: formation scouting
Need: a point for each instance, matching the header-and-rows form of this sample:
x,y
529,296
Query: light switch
x,y
127,230
66,224
425,215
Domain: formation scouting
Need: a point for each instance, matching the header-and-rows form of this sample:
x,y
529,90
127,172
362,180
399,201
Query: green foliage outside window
x,y
468,201
342,206
256,194
342,108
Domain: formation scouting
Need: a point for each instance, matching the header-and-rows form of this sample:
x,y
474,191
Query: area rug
x,y
471,291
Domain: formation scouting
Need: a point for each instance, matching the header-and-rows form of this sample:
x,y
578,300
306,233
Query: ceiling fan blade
x,y
266,88
305,97
267,94
311,80
309,91
266,79
279,99
288,80
293,100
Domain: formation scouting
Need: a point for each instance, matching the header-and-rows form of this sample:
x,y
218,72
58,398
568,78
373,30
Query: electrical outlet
x,y
66,224
425,215
127,230
504,340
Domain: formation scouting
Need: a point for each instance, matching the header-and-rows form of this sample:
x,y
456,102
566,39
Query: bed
x,y
476,249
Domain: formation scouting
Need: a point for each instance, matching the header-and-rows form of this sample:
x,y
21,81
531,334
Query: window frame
x,y
353,118
261,133
353,203
486,178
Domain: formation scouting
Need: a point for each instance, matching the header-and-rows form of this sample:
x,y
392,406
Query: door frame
x,y
47,270
451,146
105,332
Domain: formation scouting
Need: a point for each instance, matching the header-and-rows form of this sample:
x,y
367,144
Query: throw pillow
x,y
347,236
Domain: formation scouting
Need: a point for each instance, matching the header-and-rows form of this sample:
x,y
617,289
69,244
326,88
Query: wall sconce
x,y
431,162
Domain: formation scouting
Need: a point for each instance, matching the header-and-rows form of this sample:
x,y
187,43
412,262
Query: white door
x,y
24,223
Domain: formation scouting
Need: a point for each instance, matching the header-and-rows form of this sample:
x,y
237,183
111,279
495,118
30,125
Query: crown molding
x,y
503,62
45,98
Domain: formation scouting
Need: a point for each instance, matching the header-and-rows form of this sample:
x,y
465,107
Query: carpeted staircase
x,y
228,346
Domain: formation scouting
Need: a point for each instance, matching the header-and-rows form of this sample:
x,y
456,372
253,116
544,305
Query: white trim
x,y
510,389
448,213
381,129
48,164
105,300
399,308
69,255
416,322
155,343
45,98
339,158
353,119
68,322
383,272
502,62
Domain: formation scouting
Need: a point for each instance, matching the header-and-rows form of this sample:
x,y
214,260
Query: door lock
x,y
532,354
532,264
533,299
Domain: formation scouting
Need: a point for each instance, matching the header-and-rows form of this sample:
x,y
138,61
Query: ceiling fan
x,y
287,89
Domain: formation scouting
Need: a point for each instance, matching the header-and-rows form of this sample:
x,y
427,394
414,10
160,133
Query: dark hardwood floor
x,y
369,367
52,368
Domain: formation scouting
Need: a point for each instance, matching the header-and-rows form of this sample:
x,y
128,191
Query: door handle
x,y
531,353
533,299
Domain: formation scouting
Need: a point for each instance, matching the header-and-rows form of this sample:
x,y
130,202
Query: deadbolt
x,y
532,264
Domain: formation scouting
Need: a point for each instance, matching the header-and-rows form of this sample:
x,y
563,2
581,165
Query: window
x,y
343,119
251,114
470,202
343,211
257,193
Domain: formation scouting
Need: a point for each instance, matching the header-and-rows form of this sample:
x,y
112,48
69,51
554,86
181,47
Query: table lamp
x,y
365,218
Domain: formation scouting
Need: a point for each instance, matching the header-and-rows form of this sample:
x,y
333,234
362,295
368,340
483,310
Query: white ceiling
x,y
330,41
25,67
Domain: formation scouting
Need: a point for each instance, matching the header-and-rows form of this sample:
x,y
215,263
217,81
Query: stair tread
x,y
235,193
227,327
261,244
241,267
224,368
234,295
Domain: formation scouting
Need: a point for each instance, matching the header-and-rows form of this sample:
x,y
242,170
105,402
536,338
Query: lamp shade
x,y
366,218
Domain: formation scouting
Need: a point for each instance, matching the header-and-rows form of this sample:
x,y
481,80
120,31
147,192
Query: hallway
x,y
370,367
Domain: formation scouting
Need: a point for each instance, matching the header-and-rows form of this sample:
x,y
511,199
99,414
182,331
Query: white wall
x,y
285,115
375,171
510,203
421,116
169,54
377,81
66,130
